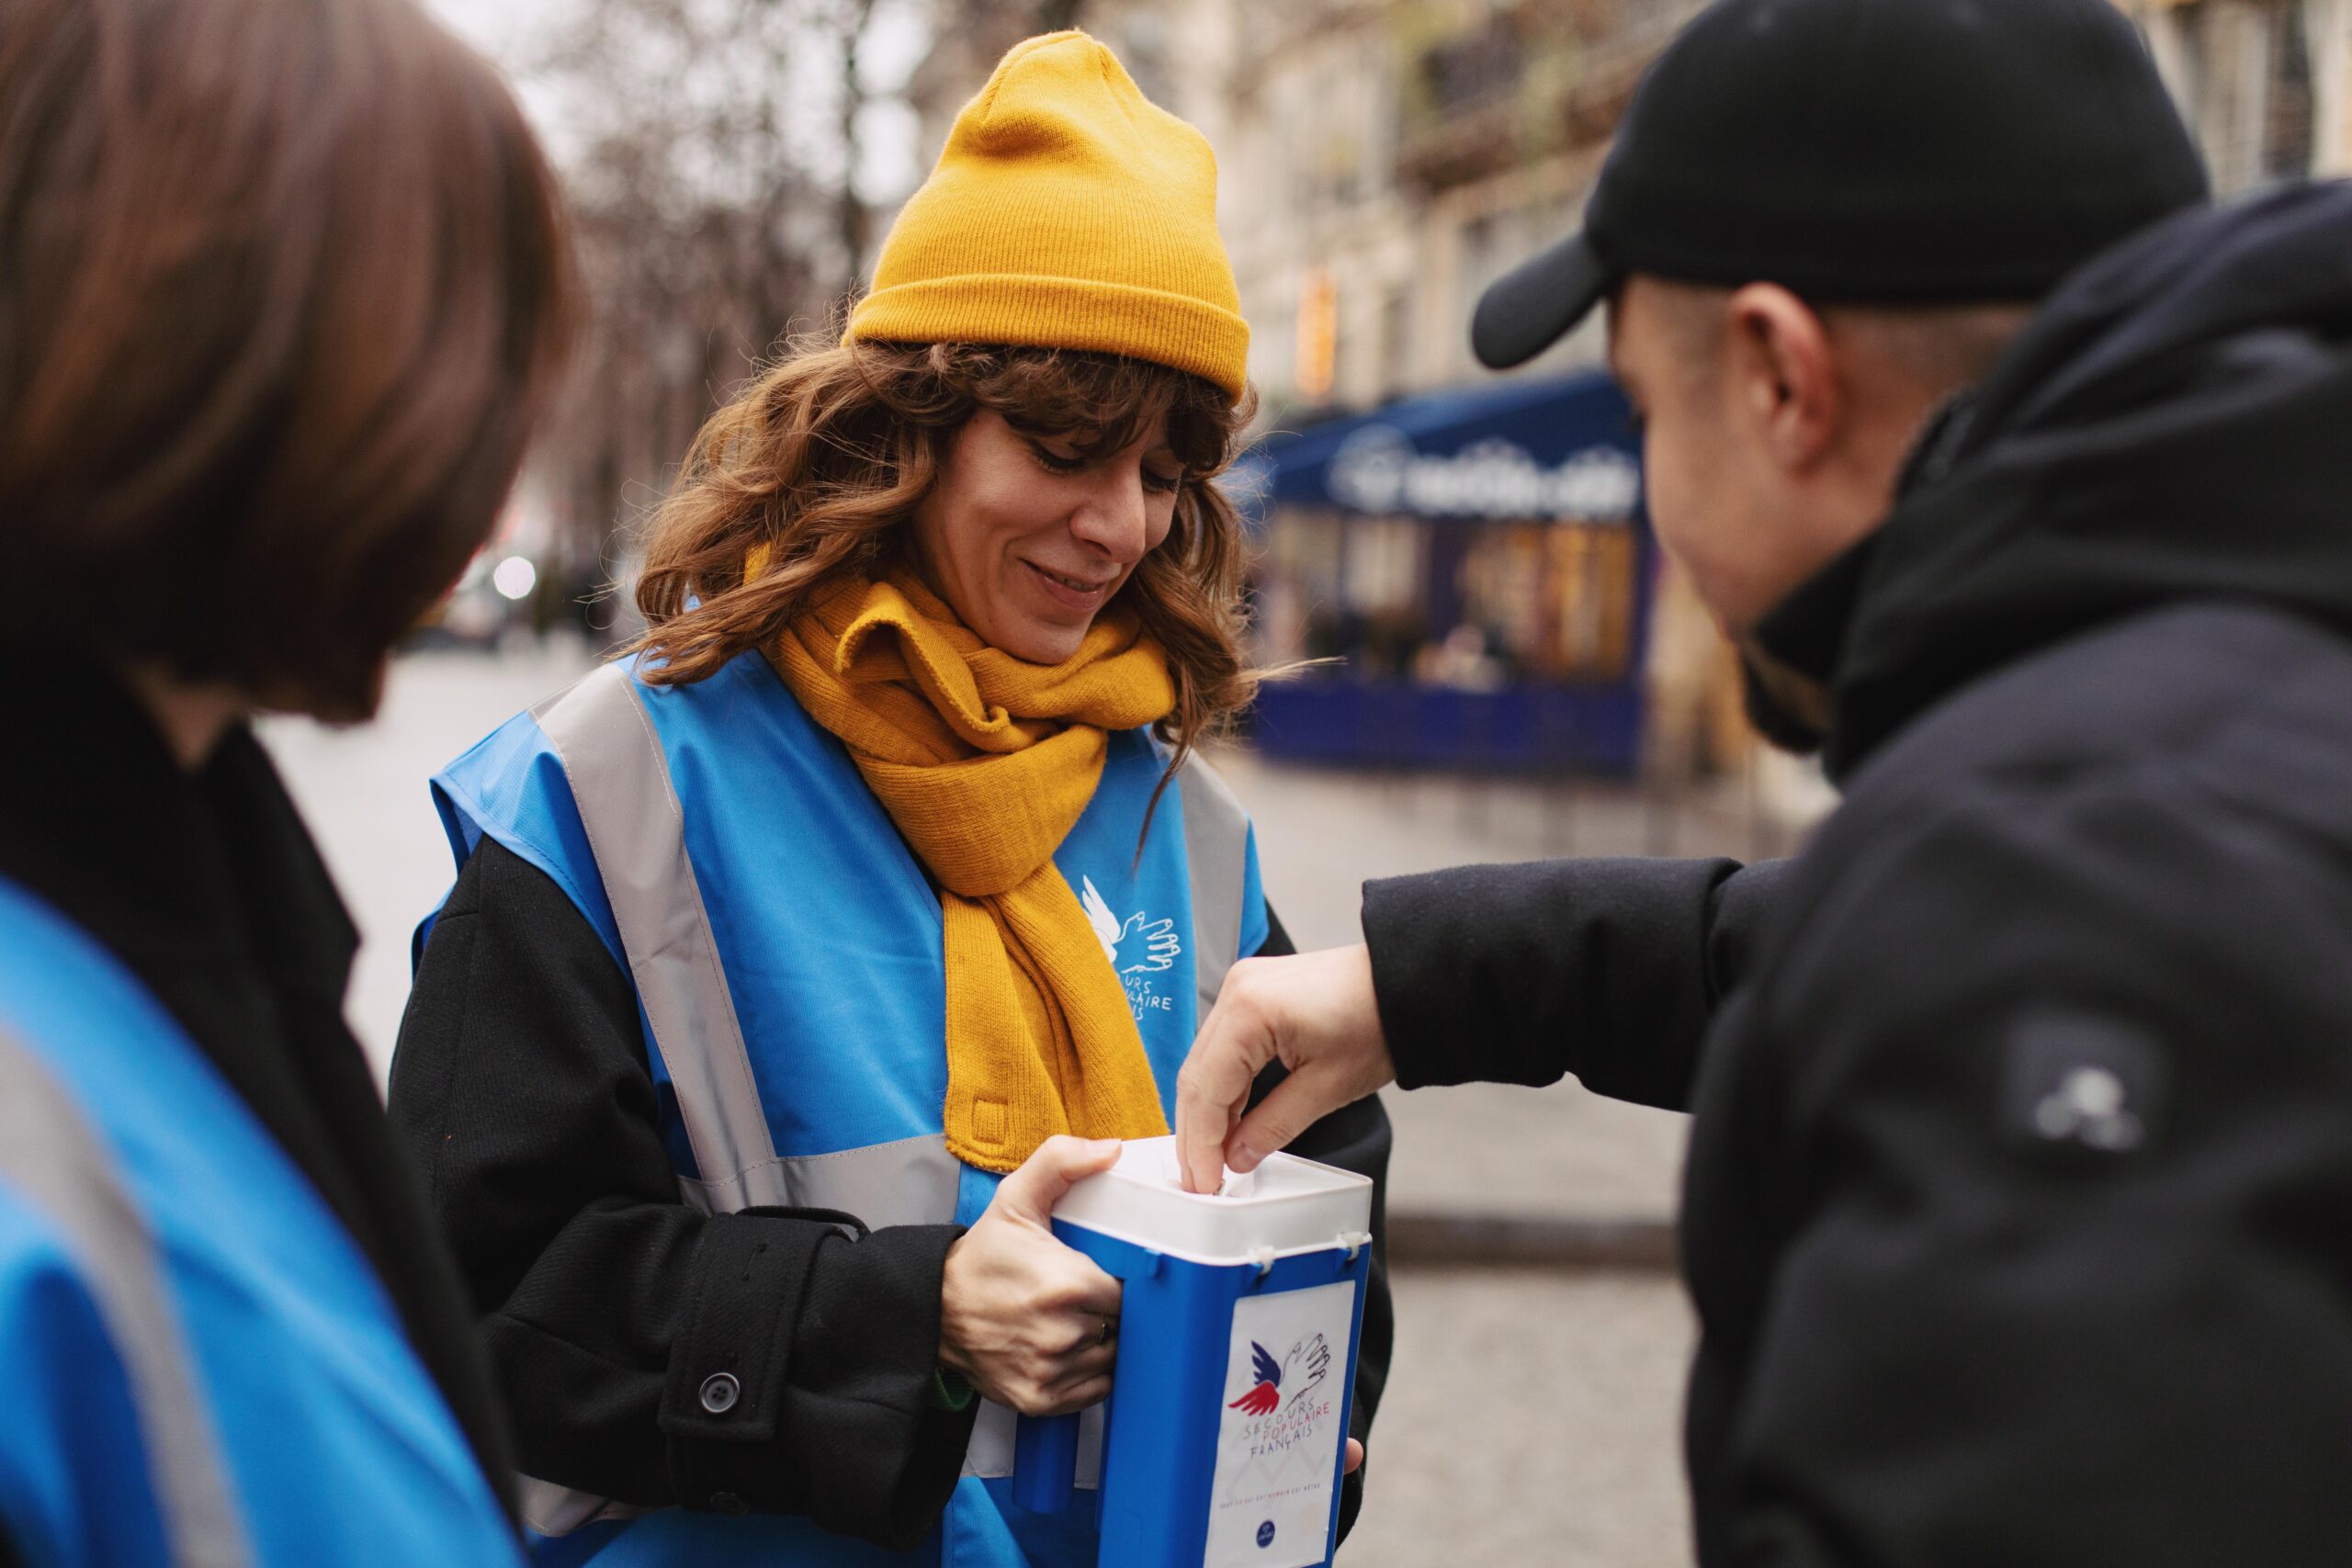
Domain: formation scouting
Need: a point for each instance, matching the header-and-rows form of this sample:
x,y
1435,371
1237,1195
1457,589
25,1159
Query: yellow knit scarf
x,y
985,763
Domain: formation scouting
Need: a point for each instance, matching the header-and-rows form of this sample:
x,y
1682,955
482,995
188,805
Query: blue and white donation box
x,y
1224,1434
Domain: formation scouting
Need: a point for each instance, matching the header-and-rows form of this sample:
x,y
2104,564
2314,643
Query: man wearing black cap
x,y
2019,1210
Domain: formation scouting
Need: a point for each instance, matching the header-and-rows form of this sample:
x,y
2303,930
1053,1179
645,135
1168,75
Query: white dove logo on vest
x,y
1134,946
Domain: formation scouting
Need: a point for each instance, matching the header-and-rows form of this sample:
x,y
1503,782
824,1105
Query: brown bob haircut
x,y
283,286
824,458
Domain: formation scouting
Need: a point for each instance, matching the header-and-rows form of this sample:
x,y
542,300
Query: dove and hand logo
x,y
1133,946
1303,1370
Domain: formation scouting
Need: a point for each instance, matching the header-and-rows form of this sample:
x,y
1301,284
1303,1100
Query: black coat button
x,y
721,1392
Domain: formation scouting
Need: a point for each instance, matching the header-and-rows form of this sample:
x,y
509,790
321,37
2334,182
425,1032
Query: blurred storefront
x,y
1464,580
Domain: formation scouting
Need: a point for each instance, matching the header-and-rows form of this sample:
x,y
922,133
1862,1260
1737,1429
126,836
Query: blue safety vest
x,y
786,954
197,1366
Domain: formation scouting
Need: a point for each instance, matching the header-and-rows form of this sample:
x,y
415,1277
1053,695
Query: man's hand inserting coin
x,y
1317,1015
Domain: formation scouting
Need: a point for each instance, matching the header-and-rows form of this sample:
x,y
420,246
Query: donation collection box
x,y
1226,1427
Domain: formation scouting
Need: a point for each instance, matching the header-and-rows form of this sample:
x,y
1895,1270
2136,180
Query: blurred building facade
x,y
2265,83
1383,161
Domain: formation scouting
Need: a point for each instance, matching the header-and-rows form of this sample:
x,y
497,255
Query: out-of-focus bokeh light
x,y
515,577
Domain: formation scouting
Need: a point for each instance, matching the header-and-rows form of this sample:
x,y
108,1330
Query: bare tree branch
x,y
710,151
849,210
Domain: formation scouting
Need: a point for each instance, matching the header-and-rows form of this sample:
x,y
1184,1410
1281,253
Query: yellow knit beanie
x,y
1068,211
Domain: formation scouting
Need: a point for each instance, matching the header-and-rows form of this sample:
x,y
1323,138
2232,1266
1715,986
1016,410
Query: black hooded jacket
x,y
2019,1212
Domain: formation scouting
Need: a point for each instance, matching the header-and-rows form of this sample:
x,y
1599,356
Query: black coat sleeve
x,y
1354,1138
2049,1125
1606,969
522,1089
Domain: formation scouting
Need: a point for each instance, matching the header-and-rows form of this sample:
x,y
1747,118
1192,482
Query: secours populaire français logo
x,y
1303,1370
1138,948
1278,1434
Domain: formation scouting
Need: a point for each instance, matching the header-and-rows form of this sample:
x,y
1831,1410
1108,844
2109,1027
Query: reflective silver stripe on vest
x,y
635,830
994,1433
551,1509
1217,856
909,1182
51,1157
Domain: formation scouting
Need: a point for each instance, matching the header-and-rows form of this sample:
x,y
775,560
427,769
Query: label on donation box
x,y
1236,1362
1279,1442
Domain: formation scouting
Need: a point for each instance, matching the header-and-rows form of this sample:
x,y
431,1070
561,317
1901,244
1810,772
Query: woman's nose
x,y
1116,518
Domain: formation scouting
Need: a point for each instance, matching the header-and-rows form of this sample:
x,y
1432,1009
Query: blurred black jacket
x,y
208,887
2019,1210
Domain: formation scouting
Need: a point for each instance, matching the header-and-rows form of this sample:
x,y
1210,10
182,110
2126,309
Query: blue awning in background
x,y
1558,448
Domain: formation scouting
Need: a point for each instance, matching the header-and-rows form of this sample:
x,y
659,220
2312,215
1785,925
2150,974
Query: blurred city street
x,y
1571,409
1531,1416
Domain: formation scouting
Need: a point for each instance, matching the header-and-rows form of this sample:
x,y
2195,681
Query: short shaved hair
x,y
1937,348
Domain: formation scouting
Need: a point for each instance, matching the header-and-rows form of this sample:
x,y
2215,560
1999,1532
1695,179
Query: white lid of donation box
x,y
1287,1206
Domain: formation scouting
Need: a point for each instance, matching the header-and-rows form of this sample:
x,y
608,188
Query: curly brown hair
x,y
824,458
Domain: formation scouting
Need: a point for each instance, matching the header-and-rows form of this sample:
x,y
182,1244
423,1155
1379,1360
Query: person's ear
x,y
1783,374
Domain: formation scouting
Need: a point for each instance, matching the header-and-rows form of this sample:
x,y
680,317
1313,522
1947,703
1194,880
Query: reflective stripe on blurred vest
x,y
200,1365
786,951
52,1160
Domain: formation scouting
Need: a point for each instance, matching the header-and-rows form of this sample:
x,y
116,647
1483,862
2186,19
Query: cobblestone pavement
x,y
1531,1416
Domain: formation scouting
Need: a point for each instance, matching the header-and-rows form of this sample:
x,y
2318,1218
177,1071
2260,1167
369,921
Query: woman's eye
x,y
1074,462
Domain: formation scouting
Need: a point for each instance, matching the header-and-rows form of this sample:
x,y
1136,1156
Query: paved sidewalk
x,y
1532,1421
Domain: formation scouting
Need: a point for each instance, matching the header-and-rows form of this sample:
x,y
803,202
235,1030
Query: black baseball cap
x,y
1868,151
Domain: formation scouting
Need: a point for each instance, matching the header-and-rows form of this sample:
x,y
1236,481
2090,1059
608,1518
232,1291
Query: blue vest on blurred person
x,y
197,1365
786,950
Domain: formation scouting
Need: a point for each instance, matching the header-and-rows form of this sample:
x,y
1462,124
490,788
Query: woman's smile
x,y
1074,592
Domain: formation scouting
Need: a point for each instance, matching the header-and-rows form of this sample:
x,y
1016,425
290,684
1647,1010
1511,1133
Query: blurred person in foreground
x,y
2022,1101
282,286
796,966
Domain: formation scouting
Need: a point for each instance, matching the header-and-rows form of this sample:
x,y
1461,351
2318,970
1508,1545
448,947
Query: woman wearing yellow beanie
x,y
798,964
